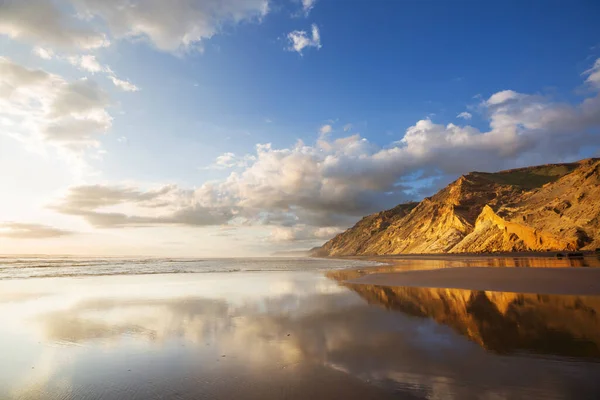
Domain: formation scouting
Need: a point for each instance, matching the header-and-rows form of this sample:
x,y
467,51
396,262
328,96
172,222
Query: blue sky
x,y
145,140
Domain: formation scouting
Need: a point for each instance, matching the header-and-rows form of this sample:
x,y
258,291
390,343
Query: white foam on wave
x,y
25,267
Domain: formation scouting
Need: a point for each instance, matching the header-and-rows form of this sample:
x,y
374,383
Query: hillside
x,y
541,208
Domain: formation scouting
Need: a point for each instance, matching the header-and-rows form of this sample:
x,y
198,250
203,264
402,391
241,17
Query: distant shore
x,y
527,272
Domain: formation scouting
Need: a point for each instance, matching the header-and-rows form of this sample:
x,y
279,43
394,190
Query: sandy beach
x,y
564,281
518,273
295,334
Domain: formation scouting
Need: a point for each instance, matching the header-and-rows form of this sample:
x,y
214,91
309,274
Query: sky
x,y
210,128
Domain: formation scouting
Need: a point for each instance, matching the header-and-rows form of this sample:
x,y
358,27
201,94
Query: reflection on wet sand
x,y
502,322
277,336
406,263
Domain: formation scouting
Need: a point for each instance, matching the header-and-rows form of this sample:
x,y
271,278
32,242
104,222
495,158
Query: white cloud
x,y
42,23
325,129
123,85
593,74
90,64
168,25
107,206
351,176
282,234
503,97
347,127
171,25
87,63
326,232
36,105
15,230
331,183
464,115
45,54
299,40
226,160
80,99
301,233
308,5
230,160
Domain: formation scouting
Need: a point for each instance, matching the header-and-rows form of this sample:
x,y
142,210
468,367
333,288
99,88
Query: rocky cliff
x,y
541,208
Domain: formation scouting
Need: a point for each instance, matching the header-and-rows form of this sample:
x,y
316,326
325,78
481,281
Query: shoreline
x,y
453,256
531,273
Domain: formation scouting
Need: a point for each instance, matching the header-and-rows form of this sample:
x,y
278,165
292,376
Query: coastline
x,y
539,273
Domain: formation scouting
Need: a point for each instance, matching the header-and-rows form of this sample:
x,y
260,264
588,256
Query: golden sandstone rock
x,y
553,207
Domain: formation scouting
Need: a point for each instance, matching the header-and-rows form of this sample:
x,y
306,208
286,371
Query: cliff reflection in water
x,y
502,322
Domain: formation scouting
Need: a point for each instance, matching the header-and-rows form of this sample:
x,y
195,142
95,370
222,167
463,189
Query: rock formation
x,y
552,207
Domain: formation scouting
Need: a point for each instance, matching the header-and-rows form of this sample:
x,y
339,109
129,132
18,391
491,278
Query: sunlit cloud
x,y
15,230
43,23
168,26
299,40
307,6
312,190
37,105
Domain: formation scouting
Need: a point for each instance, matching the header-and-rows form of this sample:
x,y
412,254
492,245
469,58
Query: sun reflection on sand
x,y
274,333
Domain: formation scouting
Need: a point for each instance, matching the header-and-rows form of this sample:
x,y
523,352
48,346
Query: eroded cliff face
x,y
365,233
543,208
502,322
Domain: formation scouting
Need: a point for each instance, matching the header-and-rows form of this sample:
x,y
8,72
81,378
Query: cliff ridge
x,y
554,207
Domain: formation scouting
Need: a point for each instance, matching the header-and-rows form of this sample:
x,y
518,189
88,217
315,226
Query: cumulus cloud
x,y
283,187
299,40
36,105
168,25
42,23
79,98
171,25
464,115
312,190
15,230
107,207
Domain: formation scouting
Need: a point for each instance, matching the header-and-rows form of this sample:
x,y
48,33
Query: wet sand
x,y
210,336
289,335
565,281
515,272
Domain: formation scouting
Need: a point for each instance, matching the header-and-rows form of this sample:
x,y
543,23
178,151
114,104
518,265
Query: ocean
x,y
23,267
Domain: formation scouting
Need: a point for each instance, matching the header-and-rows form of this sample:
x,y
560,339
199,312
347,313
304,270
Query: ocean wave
x,y
53,267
